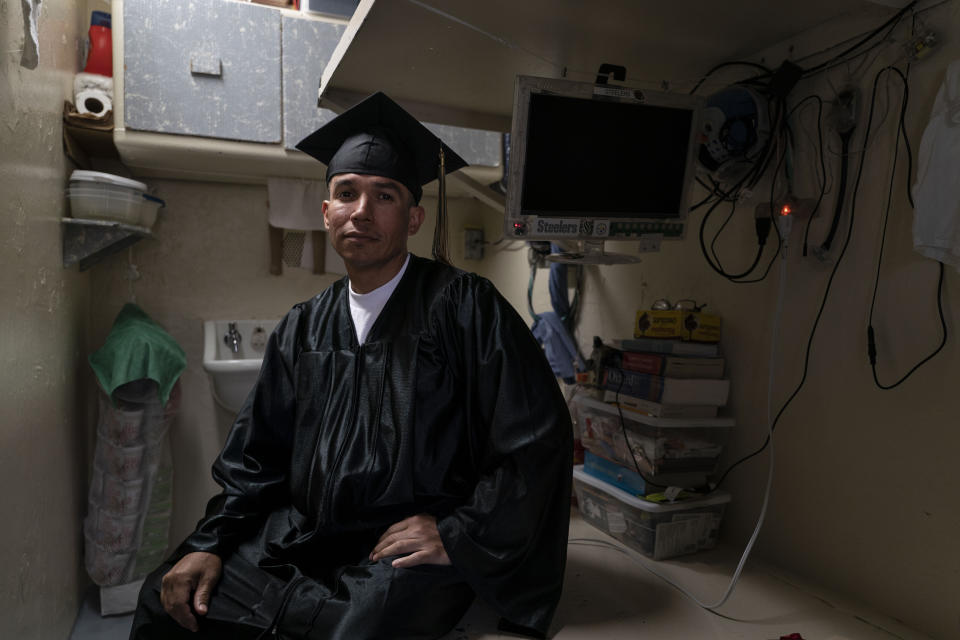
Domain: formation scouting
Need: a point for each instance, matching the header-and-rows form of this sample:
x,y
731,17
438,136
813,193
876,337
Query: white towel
x,y
936,220
296,204
30,56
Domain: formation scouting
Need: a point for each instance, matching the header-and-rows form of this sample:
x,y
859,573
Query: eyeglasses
x,y
686,304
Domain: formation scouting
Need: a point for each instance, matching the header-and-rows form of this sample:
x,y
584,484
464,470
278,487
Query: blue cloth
x,y
549,328
559,348
559,298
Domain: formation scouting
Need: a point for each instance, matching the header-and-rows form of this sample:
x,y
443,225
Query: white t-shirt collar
x,y
365,308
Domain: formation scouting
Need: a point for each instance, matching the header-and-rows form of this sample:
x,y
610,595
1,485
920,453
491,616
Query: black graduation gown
x,y
449,408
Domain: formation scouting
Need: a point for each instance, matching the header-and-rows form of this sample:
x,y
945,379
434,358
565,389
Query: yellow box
x,y
677,323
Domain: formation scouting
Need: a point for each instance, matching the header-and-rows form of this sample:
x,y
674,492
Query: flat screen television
x,y
596,162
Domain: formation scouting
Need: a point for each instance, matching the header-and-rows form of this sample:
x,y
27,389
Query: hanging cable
x,y
871,335
826,293
841,192
732,63
892,22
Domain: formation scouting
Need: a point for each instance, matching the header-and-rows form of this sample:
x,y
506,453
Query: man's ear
x,y
417,214
323,207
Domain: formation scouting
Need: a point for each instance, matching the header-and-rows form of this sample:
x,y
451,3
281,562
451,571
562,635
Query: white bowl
x,y
102,201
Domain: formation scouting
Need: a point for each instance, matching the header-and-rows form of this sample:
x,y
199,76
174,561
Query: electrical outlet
x,y
473,244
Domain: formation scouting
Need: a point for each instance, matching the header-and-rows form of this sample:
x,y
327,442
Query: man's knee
x,y
149,619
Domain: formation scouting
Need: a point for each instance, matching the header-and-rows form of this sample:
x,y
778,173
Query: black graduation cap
x,y
377,137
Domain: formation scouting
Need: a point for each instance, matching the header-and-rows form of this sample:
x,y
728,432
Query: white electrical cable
x,y
132,275
784,222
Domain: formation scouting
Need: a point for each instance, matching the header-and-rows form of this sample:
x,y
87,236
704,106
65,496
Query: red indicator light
x,y
786,210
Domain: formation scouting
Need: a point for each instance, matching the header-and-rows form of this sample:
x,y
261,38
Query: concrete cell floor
x,y
608,594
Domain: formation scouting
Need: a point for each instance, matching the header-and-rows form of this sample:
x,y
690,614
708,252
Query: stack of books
x,y
652,421
664,378
644,454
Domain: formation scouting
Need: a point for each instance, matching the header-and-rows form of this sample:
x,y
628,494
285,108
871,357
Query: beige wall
x,y
43,312
864,497
865,494
208,260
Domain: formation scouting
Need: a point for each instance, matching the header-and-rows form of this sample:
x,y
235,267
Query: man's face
x,y
369,219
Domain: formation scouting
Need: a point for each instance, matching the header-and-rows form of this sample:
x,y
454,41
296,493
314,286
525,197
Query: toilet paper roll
x,y
94,102
83,81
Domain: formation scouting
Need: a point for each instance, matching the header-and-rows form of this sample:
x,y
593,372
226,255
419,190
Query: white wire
x,y
824,181
766,494
132,275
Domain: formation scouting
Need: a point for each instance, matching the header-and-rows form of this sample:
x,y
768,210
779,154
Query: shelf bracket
x,y
86,242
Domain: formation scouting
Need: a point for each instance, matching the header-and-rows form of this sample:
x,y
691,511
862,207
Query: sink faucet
x,y
232,338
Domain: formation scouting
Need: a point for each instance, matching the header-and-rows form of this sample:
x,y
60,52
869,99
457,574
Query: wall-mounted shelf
x,y
86,242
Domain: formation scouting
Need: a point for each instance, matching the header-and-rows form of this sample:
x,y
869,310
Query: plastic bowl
x,y
101,201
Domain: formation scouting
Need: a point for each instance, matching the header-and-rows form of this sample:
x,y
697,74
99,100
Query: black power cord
x,y
871,336
841,191
778,83
892,22
747,181
735,63
826,293
762,227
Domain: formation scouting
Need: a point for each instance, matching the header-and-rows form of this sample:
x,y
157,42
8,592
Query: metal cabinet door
x,y
202,67
307,47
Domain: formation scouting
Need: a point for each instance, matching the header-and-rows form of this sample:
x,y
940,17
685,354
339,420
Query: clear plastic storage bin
x,y
658,530
660,447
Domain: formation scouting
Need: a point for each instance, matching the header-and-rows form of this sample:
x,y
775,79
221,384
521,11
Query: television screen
x,y
595,161
618,159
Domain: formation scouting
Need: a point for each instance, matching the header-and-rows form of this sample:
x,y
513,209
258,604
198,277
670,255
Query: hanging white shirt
x,y
366,307
936,220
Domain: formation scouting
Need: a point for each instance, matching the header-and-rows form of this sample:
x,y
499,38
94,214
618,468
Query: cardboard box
x,y
676,323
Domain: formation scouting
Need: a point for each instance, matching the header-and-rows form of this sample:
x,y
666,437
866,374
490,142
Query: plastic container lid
x,y
80,175
653,421
106,191
148,210
712,499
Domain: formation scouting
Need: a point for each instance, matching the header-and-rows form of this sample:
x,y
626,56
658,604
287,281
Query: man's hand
x,y
193,577
417,536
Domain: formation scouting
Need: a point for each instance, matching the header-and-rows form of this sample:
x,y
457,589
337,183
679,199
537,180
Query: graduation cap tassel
x,y
440,231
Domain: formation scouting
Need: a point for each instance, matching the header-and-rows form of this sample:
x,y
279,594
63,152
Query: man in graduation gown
x,y
405,447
